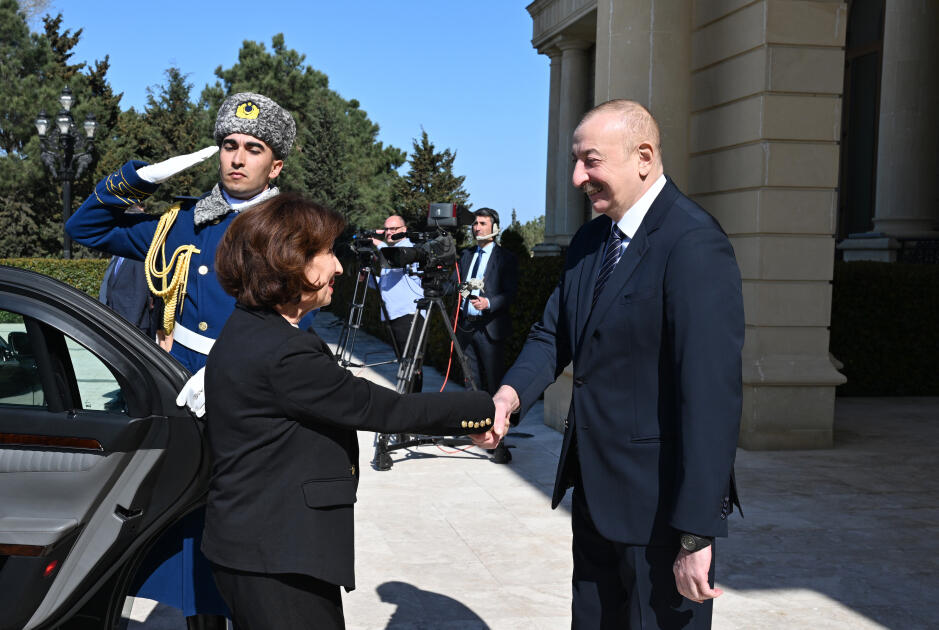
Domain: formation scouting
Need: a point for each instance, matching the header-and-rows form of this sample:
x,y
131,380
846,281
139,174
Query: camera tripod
x,y
354,323
411,362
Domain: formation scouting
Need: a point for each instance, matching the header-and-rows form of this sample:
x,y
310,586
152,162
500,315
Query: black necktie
x,y
614,250
479,256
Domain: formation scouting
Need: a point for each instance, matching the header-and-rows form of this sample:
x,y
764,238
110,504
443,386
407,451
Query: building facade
x,y
750,98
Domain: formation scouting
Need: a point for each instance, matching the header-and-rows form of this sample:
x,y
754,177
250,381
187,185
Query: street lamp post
x,y
66,153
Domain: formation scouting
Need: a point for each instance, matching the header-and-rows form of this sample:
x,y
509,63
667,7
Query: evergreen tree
x,y
512,238
430,179
34,67
531,232
171,124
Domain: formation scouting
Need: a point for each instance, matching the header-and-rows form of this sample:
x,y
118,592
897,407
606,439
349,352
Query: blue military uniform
x,y
101,223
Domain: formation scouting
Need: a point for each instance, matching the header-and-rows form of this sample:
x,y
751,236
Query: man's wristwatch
x,y
692,543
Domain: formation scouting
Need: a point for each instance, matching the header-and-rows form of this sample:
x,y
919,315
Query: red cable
x,y
456,318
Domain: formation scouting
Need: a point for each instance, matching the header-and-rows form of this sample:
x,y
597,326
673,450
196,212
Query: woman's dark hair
x,y
261,260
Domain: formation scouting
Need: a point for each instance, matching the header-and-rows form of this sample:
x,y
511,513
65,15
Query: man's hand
x,y
162,171
691,575
192,394
506,401
479,303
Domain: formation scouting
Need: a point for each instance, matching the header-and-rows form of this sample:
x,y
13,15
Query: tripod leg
x,y
382,459
408,364
460,355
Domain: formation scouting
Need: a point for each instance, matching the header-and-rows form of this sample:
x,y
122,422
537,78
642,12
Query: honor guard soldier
x,y
253,135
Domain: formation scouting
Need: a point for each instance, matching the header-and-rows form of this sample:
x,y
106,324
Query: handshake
x,y
506,402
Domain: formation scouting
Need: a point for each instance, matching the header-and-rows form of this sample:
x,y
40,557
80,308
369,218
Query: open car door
x,y
95,458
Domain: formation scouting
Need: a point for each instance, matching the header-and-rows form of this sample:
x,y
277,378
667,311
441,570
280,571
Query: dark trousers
x,y
485,356
286,601
400,328
627,586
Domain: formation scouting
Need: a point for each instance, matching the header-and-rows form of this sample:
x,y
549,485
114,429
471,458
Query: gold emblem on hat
x,y
248,111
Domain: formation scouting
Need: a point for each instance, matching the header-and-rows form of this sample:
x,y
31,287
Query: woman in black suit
x,y
282,421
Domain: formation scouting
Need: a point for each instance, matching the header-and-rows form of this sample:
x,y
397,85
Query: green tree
x,y
34,67
430,179
531,232
171,124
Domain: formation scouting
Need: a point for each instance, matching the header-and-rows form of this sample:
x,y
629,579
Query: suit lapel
x,y
628,263
589,269
491,263
618,279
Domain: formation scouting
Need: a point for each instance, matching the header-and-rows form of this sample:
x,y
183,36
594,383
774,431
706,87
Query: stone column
x,y
907,201
569,215
549,247
765,125
644,54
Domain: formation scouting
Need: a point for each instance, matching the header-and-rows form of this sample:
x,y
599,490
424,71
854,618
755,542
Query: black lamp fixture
x,y
65,152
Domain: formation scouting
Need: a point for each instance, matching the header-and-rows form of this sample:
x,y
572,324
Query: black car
x,y
96,459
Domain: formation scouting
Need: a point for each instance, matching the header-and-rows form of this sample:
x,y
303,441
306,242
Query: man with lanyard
x,y
254,135
485,322
400,291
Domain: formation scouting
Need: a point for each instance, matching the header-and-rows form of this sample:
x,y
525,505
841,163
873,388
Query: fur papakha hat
x,y
258,116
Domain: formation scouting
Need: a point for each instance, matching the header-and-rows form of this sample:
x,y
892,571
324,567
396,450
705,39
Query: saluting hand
x,y
162,171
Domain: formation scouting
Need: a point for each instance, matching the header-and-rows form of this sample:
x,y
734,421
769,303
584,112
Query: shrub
x,y
884,319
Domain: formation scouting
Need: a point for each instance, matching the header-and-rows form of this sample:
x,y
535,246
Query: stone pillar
x,y
907,201
569,214
765,126
549,247
644,54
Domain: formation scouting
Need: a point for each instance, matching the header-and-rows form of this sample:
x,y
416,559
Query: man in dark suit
x,y
124,289
649,310
484,322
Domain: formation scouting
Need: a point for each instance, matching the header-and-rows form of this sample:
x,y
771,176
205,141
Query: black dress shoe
x,y
501,454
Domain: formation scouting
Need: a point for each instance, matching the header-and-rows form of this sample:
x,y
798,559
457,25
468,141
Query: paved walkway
x,y
831,539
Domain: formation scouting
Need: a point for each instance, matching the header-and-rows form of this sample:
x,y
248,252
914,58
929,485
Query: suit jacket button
x,y
578,382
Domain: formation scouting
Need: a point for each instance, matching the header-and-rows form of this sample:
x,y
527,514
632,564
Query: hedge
x,y
84,274
885,328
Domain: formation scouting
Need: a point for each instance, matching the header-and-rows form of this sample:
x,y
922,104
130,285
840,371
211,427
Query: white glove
x,y
162,171
192,394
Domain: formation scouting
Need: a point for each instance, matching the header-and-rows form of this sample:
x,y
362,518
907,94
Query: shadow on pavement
x,y
423,609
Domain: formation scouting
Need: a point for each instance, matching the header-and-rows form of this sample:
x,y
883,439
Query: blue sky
x,y
464,71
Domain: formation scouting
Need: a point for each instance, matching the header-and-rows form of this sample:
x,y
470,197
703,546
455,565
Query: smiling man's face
x,y
606,167
246,165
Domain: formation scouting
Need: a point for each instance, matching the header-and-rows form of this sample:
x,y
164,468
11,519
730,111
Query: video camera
x,y
433,251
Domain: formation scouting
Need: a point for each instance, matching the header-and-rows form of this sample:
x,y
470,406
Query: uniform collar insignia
x,y
214,206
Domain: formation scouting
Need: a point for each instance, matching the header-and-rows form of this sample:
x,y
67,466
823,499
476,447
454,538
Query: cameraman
x,y
399,291
485,323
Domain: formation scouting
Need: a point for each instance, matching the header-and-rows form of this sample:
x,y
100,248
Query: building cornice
x,y
552,17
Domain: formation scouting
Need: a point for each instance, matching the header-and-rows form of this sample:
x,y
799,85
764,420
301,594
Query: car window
x,y
20,382
19,374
